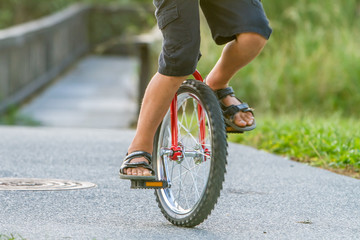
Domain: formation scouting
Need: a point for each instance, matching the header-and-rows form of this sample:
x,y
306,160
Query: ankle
x,y
131,150
141,143
230,100
215,85
142,147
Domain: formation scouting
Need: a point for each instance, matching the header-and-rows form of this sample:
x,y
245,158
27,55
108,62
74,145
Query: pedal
x,y
232,130
143,184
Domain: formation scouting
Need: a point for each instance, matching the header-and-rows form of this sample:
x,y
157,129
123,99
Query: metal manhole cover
x,y
34,184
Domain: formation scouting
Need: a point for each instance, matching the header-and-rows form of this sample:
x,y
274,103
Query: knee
x,y
251,40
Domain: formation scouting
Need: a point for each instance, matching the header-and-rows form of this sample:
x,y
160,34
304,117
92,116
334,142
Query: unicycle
x,y
189,156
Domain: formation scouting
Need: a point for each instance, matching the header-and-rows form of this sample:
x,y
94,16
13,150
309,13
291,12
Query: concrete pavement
x,y
264,196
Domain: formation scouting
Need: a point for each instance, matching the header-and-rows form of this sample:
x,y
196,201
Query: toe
x,y
240,123
250,120
244,119
147,173
239,120
138,171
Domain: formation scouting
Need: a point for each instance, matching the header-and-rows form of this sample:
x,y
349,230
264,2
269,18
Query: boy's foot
x,y
238,116
137,165
241,119
139,171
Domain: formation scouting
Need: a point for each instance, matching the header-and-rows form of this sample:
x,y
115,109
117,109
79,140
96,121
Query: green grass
x,y
11,237
13,117
331,143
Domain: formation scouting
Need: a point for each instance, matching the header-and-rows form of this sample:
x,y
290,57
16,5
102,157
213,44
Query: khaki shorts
x,y
179,23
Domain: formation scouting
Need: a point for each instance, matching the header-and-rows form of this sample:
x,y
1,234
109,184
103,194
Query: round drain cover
x,y
34,184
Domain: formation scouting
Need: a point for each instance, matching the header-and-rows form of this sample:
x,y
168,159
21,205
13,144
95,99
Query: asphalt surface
x,y
264,196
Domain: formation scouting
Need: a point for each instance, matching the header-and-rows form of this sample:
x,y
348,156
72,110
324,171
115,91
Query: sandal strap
x,y
128,164
138,164
138,154
231,110
221,93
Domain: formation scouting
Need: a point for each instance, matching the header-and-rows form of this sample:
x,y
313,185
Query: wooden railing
x,y
33,54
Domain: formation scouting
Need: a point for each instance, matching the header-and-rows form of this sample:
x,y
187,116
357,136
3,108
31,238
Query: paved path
x,y
264,196
100,92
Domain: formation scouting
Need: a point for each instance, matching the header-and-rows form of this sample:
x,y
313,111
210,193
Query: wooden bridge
x,y
32,55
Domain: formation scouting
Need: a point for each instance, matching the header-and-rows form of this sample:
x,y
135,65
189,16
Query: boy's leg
x,y
243,25
236,54
178,21
156,102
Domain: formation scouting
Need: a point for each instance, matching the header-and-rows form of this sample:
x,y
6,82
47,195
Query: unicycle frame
x,y
176,150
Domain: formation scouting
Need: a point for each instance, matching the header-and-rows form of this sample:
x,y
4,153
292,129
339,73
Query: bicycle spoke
x,y
188,132
192,116
183,115
193,179
187,170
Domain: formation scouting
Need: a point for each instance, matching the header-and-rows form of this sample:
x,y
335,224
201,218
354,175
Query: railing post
x,y
144,75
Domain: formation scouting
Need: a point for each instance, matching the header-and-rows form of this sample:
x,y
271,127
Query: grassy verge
x,y
11,237
13,117
332,143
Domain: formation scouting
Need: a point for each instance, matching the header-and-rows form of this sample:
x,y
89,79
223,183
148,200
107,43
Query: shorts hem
x,y
173,73
225,38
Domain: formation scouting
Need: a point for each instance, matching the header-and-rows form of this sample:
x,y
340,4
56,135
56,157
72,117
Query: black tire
x,y
204,191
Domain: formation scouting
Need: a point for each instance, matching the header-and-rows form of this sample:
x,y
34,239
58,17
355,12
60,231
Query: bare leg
x,y
235,55
156,102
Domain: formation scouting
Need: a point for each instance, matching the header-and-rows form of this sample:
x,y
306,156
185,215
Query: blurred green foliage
x,y
108,24
14,12
305,84
311,63
114,19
